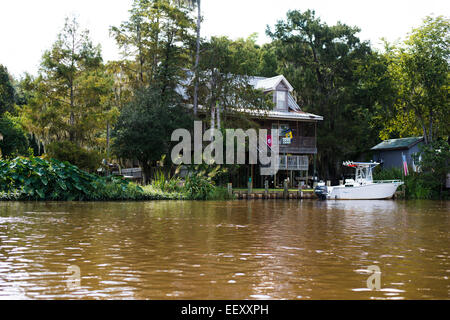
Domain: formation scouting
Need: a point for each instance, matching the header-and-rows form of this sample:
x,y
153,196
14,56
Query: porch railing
x,y
300,145
293,163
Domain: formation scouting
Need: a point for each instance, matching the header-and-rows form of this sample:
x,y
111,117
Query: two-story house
x,y
297,131
297,134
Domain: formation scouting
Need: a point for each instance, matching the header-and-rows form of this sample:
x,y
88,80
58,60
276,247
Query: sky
x,y
29,27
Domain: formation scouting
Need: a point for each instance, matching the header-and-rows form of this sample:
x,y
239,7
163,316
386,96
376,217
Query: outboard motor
x,y
321,191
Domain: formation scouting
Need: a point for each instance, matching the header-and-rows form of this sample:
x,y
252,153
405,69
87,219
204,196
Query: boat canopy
x,y
363,173
353,164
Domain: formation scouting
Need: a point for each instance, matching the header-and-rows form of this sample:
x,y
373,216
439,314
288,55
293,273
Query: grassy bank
x,y
36,179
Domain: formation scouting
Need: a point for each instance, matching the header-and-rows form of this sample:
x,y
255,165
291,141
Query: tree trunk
x,y
72,115
430,139
146,172
213,114
218,117
107,140
423,124
141,60
197,59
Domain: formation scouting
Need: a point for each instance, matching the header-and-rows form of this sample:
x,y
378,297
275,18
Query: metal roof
x,y
394,144
270,84
266,84
273,114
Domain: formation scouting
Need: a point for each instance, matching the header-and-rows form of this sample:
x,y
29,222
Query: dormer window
x,y
281,100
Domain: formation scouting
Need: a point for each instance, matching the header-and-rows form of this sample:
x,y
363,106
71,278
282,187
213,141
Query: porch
x,y
294,163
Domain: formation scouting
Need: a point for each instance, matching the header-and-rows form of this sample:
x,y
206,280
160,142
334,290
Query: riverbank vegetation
x,y
429,178
41,179
81,109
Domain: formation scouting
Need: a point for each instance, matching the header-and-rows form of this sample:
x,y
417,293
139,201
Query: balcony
x,y
298,163
306,145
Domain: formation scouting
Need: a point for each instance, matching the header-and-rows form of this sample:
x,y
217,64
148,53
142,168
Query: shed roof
x,y
395,144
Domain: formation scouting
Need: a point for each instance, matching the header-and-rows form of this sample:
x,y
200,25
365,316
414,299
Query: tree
x,y
69,98
7,92
152,27
88,160
434,167
420,69
145,126
15,141
193,4
268,63
224,87
156,38
197,57
324,64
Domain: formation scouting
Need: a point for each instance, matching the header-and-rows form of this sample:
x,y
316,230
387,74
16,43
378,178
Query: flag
x,y
269,140
405,165
288,134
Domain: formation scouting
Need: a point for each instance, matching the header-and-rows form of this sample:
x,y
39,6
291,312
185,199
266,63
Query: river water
x,y
225,250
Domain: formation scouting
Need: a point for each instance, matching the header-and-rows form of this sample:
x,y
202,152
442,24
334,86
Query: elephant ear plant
x,y
38,179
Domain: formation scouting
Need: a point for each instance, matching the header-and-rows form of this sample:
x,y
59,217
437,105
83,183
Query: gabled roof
x,y
271,84
266,84
396,144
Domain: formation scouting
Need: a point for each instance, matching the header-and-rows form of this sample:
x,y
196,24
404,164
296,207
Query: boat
x,y
362,187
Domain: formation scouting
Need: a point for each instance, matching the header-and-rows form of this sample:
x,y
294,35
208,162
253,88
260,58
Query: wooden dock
x,y
263,195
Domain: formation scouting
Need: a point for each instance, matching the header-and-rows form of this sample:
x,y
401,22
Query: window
x,y
281,99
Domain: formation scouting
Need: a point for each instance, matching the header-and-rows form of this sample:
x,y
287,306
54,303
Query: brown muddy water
x,y
224,250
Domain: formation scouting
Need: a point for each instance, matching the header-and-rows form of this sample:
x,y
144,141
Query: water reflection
x,y
225,250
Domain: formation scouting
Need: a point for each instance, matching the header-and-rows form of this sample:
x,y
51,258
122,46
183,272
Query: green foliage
x,y
158,194
429,181
268,63
224,80
15,141
418,187
145,126
7,92
420,72
220,193
326,65
89,160
50,179
200,182
155,30
198,187
70,98
166,183
387,174
39,179
434,165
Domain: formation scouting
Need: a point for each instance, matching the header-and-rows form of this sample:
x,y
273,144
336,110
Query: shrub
x,y
42,179
434,165
88,160
387,174
198,187
417,187
220,193
15,141
36,178
166,184
429,182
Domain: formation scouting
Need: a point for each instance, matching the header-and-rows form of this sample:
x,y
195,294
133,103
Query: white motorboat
x,y
362,187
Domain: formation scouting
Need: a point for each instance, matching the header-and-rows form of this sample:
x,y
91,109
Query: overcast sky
x,y
29,27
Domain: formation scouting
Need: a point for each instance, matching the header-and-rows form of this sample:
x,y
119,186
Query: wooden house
x,y
297,132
